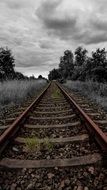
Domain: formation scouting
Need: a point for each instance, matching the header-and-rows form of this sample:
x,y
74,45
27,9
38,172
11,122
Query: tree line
x,y
80,66
7,67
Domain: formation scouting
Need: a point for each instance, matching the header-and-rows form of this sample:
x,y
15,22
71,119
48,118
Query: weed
x,y
56,94
32,144
36,144
48,144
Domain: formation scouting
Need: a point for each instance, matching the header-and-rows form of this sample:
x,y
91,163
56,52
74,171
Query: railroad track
x,y
54,145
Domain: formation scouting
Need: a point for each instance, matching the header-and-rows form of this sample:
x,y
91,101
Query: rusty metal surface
x,y
10,131
93,128
95,131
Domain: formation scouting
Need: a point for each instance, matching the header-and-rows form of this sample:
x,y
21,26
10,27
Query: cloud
x,y
54,20
38,31
99,23
49,44
14,4
76,22
94,38
46,44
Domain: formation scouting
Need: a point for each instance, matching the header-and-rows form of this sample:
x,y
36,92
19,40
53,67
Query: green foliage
x,y
32,144
48,144
36,144
56,94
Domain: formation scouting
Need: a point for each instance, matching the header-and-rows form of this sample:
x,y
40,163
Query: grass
x,y
48,144
93,90
32,144
15,92
56,94
36,144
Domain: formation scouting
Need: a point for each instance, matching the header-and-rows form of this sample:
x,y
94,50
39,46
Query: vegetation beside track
x,y
80,66
95,91
15,92
57,161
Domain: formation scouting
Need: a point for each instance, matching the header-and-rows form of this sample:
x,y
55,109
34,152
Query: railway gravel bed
x,y
90,107
34,121
51,151
53,114
81,178
47,138
53,132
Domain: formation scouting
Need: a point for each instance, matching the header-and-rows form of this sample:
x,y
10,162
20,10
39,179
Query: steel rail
x,y
10,132
94,130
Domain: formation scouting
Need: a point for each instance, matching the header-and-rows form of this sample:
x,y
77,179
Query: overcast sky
x,y
38,31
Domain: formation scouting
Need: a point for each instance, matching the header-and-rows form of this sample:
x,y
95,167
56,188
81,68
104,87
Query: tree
x,y
54,74
66,65
80,56
19,76
99,58
99,74
62,67
85,68
6,64
96,66
32,77
40,77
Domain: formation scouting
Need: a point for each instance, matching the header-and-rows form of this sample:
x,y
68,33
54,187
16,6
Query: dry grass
x,y
93,90
15,92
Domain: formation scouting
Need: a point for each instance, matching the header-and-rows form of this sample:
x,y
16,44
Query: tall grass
x,y
93,90
15,92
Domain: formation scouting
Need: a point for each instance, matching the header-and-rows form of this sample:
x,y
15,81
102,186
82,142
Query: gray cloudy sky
x,y
38,31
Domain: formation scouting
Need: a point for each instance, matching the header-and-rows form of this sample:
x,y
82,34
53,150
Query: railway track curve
x,y
54,144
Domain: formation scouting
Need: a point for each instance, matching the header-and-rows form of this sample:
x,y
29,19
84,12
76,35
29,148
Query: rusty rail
x,y
93,128
11,131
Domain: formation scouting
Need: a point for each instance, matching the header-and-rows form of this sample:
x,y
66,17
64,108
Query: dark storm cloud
x,y
55,22
48,44
60,23
95,38
98,31
45,44
99,24
38,31
80,25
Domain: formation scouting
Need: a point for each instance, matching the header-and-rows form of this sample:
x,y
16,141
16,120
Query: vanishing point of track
x,y
55,144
